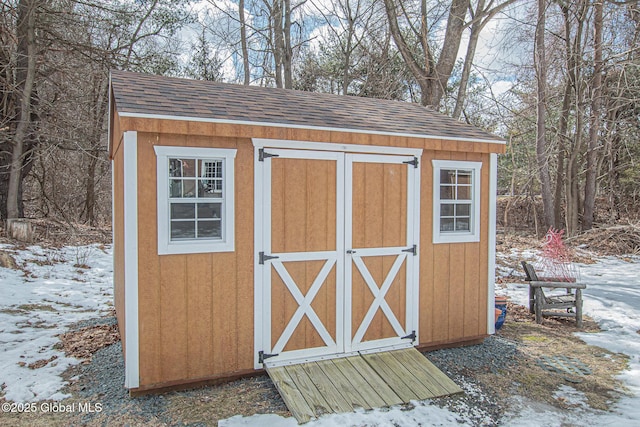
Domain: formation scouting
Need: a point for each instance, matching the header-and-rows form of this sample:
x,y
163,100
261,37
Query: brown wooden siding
x,y
246,131
119,263
195,311
453,276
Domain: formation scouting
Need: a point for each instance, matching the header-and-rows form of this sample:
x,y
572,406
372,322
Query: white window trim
x,y
457,236
165,245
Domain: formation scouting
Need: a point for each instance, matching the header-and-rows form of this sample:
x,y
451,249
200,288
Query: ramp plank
x,y
307,388
379,363
326,388
368,381
445,382
349,391
421,374
291,394
375,381
359,383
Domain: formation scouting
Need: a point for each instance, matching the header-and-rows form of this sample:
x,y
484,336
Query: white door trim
x,y
262,299
412,238
262,239
331,146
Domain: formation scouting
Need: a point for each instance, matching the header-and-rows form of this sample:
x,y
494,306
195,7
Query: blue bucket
x,y
501,304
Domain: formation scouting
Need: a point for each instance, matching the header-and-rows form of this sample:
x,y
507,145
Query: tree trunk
x,y
287,49
432,79
594,129
278,41
476,27
244,46
449,52
25,76
541,144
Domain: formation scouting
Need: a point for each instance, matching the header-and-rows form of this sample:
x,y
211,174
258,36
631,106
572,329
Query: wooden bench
x,y
558,305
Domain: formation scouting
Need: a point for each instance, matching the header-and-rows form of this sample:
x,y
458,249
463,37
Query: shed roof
x,y
145,95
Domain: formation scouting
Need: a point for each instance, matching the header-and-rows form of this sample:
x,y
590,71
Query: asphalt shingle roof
x,y
150,95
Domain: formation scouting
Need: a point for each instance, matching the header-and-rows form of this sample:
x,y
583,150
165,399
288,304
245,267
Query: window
x,y
456,201
195,199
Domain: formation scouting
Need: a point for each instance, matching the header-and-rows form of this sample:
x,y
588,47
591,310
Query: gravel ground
x,y
101,380
465,366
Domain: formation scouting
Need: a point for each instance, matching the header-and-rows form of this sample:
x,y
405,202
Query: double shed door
x,y
338,253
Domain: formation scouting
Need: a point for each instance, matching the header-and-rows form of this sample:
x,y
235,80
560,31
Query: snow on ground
x,y
49,292
612,298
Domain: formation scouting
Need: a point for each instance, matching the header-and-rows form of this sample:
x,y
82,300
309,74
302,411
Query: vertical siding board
x,y
426,251
457,295
149,291
472,283
441,283
244,253
118,236
225,325
441,278
173,318
199,312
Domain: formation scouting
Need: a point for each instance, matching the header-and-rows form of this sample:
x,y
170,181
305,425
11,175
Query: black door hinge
x,y
413,162
412,335
263,155
263,257
262,356
413,250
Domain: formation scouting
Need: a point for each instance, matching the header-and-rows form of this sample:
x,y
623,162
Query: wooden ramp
x,y
365,381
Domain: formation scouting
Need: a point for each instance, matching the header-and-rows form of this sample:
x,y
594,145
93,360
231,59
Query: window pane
x,y
209,210
175,188
464,193
463,210
446,224
188,167
464,177
447,193
183,211
210,229
462,224
211,168
446,210
175,167
447,176
183,230
210,188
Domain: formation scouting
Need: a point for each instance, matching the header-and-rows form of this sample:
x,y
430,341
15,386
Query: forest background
x,y
558,80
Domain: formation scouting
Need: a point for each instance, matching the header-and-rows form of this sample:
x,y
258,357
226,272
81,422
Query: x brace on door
x,y
379,297
304,304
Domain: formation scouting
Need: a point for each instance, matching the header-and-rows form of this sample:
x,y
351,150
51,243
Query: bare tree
x,y
25,80
541,143
594,128
431,75
480,16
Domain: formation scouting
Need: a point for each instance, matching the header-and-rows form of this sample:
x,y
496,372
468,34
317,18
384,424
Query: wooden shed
x,y
257,225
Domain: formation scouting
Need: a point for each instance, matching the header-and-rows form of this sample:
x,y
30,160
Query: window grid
x,y
456,187
196,199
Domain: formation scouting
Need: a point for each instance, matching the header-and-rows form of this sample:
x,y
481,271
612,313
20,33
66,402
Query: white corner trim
x,y
493,194
132,358
294,126
165,245
459,237
258,245
331,146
